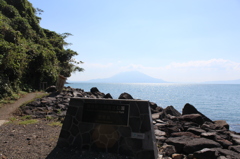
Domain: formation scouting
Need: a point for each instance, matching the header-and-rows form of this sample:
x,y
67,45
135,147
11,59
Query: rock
x,y
160,139
156,115
159,133
190,109
208,126
28,112
176,134
172,111
179,142
196,118
76,94
108,95
159,125
235,139
198,144
209,135
51,89
125,96
159,121
153,105
196,131
61,106
235,148
189,124
224,143
96,92
189,145
227,153
155,108
221,124
167,150
206,153
177,156
172,128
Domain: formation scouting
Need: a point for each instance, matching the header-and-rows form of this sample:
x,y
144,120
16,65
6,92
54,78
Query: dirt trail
x,y
6,110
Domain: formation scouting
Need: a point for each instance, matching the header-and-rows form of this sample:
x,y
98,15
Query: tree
x,y
30,54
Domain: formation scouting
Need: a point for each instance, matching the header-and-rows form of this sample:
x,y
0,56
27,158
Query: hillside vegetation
x,y
30,54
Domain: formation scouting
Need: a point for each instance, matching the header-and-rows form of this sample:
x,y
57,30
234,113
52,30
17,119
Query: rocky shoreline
x,y
185,135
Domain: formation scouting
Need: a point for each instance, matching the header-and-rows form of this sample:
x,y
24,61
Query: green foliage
x,y
30,54
26,122
56,123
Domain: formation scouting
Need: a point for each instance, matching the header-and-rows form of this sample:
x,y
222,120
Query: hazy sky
x,y
174,40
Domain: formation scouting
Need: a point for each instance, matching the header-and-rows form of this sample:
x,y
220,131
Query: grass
x,y
12,99
26,122
16,96
26,117
56,123
37,97
49,118
12,119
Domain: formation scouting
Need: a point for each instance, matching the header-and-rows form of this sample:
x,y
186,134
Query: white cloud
x,y
197,71
97,65
190,71
210,64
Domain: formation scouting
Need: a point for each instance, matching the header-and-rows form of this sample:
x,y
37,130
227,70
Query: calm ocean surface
x,y
216,101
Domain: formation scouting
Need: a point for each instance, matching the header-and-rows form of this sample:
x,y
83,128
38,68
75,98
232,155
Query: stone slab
x,y
110,125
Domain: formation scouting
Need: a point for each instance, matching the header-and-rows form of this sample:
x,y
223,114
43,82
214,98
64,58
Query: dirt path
x,y
6,110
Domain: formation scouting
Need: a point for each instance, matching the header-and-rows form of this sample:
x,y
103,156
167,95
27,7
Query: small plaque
x,y
106,113
137,135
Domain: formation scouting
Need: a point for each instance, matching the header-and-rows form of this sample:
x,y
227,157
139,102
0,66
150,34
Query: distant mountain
x,y
129,77
223,82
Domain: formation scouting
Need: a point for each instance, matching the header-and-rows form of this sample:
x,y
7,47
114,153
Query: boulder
x,y
179,142
198,144
172,111
196,118
225,143
206,153
190,109
186,144
167,150
188,124
221,124
155,108
125,96
176,134
177,156
156,115
235,138
196,131
96,92
235,148
159,133
209,135
227,153
108,95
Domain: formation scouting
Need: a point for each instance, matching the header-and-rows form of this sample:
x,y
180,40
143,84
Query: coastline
x,y
171,127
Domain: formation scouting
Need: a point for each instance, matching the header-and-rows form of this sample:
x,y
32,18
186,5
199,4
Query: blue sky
x,y
173,40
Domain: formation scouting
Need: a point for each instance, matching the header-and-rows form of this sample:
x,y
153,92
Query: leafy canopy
x,y
30,54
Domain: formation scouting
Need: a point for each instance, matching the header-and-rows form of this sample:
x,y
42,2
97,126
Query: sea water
x,y
216,101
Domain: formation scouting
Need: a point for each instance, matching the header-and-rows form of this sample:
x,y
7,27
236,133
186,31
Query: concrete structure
x,y
116,126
